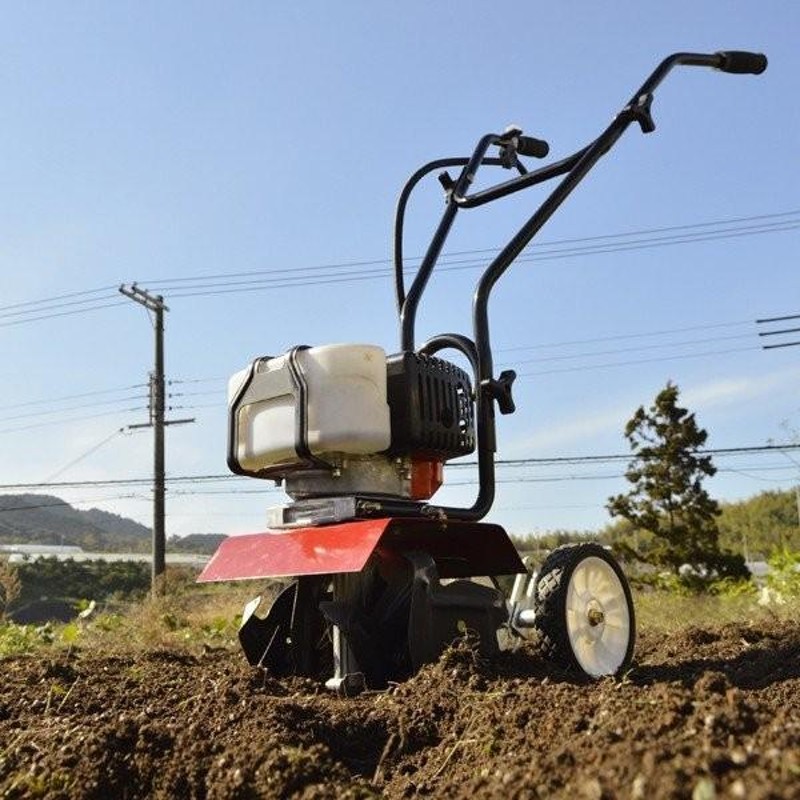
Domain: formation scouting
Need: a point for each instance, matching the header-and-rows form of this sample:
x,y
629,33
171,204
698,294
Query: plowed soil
x,y
705,713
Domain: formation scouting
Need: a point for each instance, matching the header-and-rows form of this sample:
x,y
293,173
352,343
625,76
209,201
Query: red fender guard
x,y
460,549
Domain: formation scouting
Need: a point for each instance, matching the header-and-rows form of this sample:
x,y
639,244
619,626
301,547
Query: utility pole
x,y
155,304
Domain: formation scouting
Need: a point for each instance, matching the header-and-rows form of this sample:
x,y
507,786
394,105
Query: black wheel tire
x,y
550,605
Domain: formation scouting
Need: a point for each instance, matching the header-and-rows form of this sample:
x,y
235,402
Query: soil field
x,y
707,712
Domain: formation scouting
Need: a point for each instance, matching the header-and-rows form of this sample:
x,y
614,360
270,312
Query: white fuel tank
x,y
345,405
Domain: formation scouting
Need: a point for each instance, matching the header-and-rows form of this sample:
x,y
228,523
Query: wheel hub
x,y
595,613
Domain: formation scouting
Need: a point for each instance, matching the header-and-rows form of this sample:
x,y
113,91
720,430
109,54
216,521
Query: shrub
x,y
9,585
784,573
19,639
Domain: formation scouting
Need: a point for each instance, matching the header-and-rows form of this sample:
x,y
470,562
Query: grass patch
x,y
668,611
184,616
194,617
16,640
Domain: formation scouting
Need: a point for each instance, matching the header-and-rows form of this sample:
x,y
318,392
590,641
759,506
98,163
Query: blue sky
x,y
159,143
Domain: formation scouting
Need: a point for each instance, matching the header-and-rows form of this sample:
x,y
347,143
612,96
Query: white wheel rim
x,y
598,618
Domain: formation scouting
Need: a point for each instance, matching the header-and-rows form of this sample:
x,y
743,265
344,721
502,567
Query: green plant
x,y
70,633
20,639
784,573
733,588
219,627
108,622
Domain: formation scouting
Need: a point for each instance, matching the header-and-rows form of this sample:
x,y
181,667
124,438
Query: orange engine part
x,y
426,478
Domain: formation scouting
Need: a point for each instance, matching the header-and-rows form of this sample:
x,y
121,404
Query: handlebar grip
x,y
740,62
528,146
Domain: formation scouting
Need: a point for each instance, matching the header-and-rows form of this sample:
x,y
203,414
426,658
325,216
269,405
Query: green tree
x,y
761,525
667,499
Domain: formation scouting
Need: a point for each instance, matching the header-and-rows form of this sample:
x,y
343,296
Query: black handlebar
x,y
741,62
528,146
571,170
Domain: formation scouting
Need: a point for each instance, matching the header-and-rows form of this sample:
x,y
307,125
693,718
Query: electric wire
x,y
93,449
269,490
565,357
591,354
609,364
197,380
452,266
608,476
60,314
216,392
57,297
72,419
625,336
534,461
55,306
639,348
63,503
80,407
447,257
65,398
38,310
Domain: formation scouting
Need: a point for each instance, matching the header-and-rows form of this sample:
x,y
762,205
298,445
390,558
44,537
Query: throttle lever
x,y
514,143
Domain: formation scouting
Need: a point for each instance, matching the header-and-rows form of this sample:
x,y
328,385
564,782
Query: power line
x,y
71,408
54,306
56,298
778,319
60,314
526,479
363,275
592,354
352,271
715,451
588,354
94,448
637,361
198,380
196,407
72,419
624,336
779,332
72,503
197,394
80,396
516,462
448,256
612,476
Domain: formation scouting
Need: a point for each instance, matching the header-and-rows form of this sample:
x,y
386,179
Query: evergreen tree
x,y
667,498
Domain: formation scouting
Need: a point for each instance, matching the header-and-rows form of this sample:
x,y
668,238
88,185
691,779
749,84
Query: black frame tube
x,y
407,304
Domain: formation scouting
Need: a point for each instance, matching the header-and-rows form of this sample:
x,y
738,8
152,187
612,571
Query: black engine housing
x,y
432,407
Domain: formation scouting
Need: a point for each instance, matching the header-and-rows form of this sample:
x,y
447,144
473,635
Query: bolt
x,y
596,617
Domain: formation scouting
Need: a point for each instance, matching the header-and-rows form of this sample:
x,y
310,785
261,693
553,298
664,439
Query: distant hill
x,y
114,523
45,519
202,543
